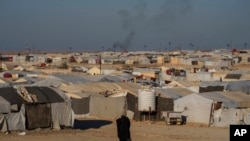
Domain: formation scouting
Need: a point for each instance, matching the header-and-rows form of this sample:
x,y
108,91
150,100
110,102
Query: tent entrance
x,y
38,116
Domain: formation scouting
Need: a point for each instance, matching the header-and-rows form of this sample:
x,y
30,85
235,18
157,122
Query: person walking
x,y
123,128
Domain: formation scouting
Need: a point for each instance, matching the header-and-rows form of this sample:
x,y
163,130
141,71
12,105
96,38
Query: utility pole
x,y
169,46
70,48
1,69
228,45
100,62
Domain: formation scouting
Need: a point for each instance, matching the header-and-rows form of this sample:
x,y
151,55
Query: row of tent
x,y
230,100
218,108
30,107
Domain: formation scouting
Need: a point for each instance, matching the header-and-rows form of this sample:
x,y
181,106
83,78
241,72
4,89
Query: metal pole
x,y
100,63
149,113
1,62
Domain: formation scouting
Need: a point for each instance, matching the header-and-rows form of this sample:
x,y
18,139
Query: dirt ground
x,y
105,130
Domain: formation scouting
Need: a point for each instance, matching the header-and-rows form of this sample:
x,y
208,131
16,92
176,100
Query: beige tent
x,y
2,82
107,107
100,87
3,66
180,83
94,71
21,80
19,68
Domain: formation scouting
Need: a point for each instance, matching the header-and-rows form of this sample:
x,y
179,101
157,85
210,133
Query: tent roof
x,y
10,94
20,80
4,106
98,87
50,81
75,79
45,94
174,93
2,81
213,83
180,83
233,76
229,99
193,98
230,86
237,85
115,78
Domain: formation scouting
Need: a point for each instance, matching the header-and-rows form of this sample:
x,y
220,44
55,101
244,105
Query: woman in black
x,y
123,128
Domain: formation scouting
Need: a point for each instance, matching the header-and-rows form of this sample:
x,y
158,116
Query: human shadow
x,y
87,124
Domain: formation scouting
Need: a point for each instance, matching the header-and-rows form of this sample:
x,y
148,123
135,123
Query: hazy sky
x,y
94,25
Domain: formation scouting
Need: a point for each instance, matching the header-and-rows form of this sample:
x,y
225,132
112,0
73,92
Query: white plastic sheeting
x,y
4,106
3,123
195,108
205,76
226,117
50,81
62,115
13,121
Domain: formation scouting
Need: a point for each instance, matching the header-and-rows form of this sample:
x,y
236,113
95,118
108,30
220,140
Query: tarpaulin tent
x,y
243,86
80,106
196,108
107,107
48,107
12,112
4,106
4,109
234,108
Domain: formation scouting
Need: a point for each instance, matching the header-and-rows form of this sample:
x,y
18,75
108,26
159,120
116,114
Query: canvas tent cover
x,y
229,99
10,94
195,108
4,106
107,107
238,86
45,94
174,93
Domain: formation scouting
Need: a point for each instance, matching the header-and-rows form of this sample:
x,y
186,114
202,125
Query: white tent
x,y
194,108
234,108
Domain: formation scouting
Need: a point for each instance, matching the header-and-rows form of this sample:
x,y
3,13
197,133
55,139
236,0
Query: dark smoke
x,y
126,43
169,12
137,19
131,22
128,40
125,17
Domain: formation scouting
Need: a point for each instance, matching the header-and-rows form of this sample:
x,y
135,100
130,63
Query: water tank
x,y
146,99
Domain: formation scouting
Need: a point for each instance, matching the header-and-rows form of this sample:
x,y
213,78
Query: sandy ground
x,y
104,130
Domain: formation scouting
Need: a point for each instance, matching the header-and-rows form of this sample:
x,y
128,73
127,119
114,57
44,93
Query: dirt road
x,y
102,130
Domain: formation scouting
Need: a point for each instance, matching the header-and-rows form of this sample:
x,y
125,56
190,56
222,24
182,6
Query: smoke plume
x,y
137,19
